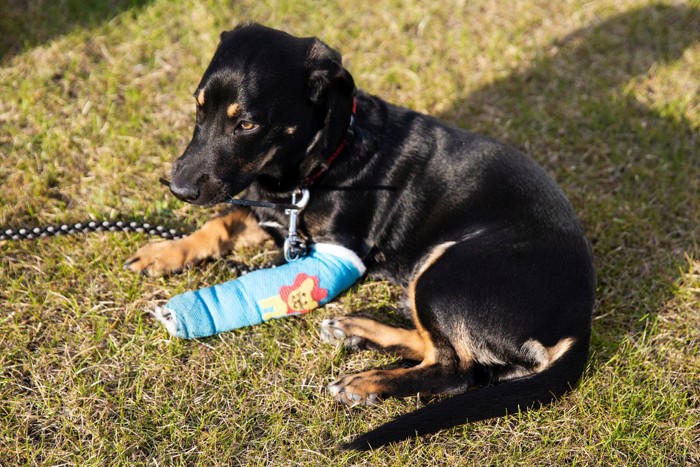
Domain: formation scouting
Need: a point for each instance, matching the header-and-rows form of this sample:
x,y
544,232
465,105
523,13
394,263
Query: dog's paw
x,y
337,331
360,389
165,257
166,317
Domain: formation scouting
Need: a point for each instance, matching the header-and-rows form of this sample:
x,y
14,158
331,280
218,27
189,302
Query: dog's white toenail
x,y
353,341
333,388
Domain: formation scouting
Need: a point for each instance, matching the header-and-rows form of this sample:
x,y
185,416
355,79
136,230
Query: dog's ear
x,y
331,89
326,72
241,25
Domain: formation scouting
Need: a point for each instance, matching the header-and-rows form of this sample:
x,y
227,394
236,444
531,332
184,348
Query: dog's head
x,y
268,108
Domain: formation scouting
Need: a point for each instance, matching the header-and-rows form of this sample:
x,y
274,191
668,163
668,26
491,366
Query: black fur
x,y
521,268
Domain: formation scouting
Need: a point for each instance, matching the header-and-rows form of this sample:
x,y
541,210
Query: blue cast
x,y
291,289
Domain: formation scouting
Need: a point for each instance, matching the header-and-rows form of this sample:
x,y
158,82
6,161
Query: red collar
x,y
346,139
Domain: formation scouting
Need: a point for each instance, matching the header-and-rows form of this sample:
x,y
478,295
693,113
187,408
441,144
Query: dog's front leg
x,y
217,237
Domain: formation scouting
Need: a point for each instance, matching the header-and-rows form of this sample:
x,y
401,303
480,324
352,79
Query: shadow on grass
x,y
630,170
27,23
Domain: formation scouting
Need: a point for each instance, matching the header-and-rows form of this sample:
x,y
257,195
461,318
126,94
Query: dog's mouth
x,y
243,202
204,193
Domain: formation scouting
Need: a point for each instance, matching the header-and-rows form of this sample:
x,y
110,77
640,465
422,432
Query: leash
x,y
30,233
239,269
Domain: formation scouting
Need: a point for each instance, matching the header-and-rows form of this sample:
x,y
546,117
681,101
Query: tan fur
x,y
233,110
407,343
429,351
200,97
560,348
467,347
219,236
415,344
360,388
544,356
468,350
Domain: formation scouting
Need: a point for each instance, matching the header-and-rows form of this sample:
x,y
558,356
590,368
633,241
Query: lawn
x,y
95,104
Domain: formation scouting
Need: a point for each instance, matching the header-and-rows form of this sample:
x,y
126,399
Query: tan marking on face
x,y
290,130
233,110
200,97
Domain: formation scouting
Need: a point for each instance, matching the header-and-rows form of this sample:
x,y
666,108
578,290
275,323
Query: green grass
x,y
95,104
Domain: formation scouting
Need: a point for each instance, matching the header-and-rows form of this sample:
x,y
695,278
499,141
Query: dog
x,y
498,273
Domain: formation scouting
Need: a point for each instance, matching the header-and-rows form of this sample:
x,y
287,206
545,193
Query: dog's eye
x,y
247,126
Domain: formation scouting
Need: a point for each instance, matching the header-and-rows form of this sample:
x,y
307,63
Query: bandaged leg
x,y
291,289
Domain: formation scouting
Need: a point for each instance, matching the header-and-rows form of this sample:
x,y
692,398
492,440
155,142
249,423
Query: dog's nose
x,y
184,193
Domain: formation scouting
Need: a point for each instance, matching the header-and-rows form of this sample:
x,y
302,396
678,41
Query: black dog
x,y
499,275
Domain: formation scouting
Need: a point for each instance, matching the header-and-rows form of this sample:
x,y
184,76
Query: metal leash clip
x,y
294,246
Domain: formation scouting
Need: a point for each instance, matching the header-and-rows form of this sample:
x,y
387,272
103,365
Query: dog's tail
x,y
493,401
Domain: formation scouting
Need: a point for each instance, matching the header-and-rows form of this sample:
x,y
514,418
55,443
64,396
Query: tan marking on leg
x,y
429,350
217,237
434,255
233,110
465,346
468,350
407,343
371,386
368,387
200,97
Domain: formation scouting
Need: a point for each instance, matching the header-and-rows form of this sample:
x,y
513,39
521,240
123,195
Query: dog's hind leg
x,y
364,333
370,387
360,333
441,369
217,237
486,314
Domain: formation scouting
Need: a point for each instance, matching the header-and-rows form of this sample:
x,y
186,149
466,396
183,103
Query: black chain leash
x,y
88,227
239,269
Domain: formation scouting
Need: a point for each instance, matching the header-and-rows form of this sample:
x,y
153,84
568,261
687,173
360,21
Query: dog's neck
x,y
347,137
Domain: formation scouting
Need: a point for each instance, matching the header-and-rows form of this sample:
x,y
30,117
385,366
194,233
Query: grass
x,y
96,103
